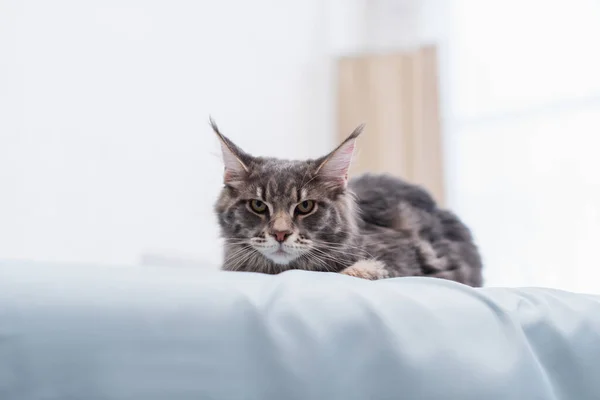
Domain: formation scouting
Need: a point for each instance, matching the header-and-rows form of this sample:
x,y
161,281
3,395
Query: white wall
x,y
523,123
105,151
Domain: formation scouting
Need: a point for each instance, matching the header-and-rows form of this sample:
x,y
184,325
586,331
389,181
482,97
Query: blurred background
x,y
106,156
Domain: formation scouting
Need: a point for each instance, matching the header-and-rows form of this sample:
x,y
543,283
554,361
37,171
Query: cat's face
x,y
285,212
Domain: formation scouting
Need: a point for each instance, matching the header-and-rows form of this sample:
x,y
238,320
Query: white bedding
x,y
172,334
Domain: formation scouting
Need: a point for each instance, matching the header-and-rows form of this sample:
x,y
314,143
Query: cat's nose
x,y
280,236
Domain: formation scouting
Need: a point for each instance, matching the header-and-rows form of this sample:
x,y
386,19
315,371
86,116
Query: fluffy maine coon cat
x,y
277,215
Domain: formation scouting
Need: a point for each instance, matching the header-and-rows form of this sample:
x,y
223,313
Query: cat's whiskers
x,y
344,254
343,248
248,263
235,245
237,258
234,264
236,253
312,259
339,248
243,259
327,257
329,262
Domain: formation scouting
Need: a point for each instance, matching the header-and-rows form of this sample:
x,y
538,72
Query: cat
x,y
276,215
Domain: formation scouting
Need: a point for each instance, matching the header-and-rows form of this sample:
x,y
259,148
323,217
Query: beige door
x,y
396,95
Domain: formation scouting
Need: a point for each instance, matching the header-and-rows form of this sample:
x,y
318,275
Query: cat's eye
x,y
258,206
305,207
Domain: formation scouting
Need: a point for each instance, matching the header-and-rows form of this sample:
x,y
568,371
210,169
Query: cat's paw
x,y
367,269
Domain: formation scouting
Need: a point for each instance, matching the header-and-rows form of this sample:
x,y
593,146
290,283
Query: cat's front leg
x,y
367,269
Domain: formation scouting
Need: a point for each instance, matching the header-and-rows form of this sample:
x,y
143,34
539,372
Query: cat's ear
x,y
335,165
235,160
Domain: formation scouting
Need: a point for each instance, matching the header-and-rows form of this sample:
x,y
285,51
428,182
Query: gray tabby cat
x,y
277,215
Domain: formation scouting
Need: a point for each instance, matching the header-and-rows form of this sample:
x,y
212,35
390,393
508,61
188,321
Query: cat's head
x,y
280,214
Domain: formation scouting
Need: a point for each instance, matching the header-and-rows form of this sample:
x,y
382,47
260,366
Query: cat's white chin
x,y
280,253
281,258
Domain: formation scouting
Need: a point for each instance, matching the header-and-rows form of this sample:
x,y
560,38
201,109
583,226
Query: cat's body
x,y
277,215
401,225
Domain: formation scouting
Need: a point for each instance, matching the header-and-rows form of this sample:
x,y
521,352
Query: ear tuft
x,y
336,164
234,159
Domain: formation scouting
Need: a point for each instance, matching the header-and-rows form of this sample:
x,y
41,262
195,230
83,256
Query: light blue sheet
x,y
175,334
